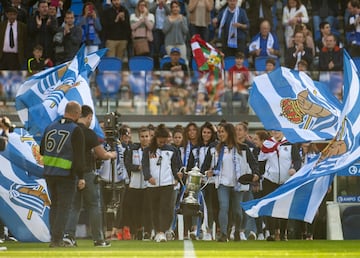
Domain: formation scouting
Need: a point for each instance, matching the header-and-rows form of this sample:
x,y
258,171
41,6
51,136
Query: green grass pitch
x,y
243,249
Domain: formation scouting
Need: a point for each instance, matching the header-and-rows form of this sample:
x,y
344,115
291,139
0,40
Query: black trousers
x,y
10,61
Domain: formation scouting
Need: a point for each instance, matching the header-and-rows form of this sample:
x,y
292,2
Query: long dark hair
x,y
160,132
209,126
186,131
231,140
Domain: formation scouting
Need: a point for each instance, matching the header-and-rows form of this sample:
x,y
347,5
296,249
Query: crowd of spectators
x,y
231,25
292,32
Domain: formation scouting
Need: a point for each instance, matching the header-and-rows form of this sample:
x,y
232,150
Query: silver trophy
x,y
190,204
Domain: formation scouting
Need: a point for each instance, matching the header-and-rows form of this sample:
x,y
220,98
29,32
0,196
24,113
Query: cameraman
x,y
90,195
114,195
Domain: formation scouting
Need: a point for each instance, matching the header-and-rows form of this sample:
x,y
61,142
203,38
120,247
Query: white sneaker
x,y
251,236
3,248
267,234
156,238
261,236
160,238
242,236
207,237
170,235
193,235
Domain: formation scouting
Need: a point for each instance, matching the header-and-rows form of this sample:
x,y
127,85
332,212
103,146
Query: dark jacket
x,y
21,39
326,56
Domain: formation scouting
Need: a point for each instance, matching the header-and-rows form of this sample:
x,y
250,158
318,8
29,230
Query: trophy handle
x,y
182,170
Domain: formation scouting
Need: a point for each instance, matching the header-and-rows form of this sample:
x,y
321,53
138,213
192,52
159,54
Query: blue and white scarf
x,y
269,44
232,36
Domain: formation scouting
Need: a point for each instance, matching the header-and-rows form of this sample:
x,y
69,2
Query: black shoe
x,y
237,236
102,243
270,238
55,244
69,240
283,238
139,235
223,238
146,236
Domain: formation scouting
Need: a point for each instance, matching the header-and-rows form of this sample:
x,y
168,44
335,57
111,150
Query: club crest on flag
x,y
295,110
30,196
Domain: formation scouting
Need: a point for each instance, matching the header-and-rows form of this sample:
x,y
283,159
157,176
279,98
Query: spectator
x,y
22,14
294,13
160,10
323,11
353,28
325,30
265,43
239,81
37,63
175,66
258,11
67,40
142,23
161,164
200,17
42,29
270,65
60,179
116,27
233,27
91,27
56,10
303,66
299,51
176,30
309,39
331,56
13,35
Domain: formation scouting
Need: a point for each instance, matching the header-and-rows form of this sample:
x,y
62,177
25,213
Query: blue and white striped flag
x,y
292,102
300,196
42,98
24,200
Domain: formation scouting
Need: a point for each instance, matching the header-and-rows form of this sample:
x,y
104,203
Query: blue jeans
x,y
61,191
90,198
227,196
248,223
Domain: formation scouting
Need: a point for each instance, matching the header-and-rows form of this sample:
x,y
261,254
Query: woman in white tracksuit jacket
x,y
278,160
230,165
161,164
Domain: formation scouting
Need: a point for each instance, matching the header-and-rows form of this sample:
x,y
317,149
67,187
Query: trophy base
x,y
190,209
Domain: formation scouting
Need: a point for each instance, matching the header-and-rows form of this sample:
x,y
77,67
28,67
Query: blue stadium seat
x,y
140,74
108,77
76,7
229,61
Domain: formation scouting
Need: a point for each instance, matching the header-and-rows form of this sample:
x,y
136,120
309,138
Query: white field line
x,y
189,251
